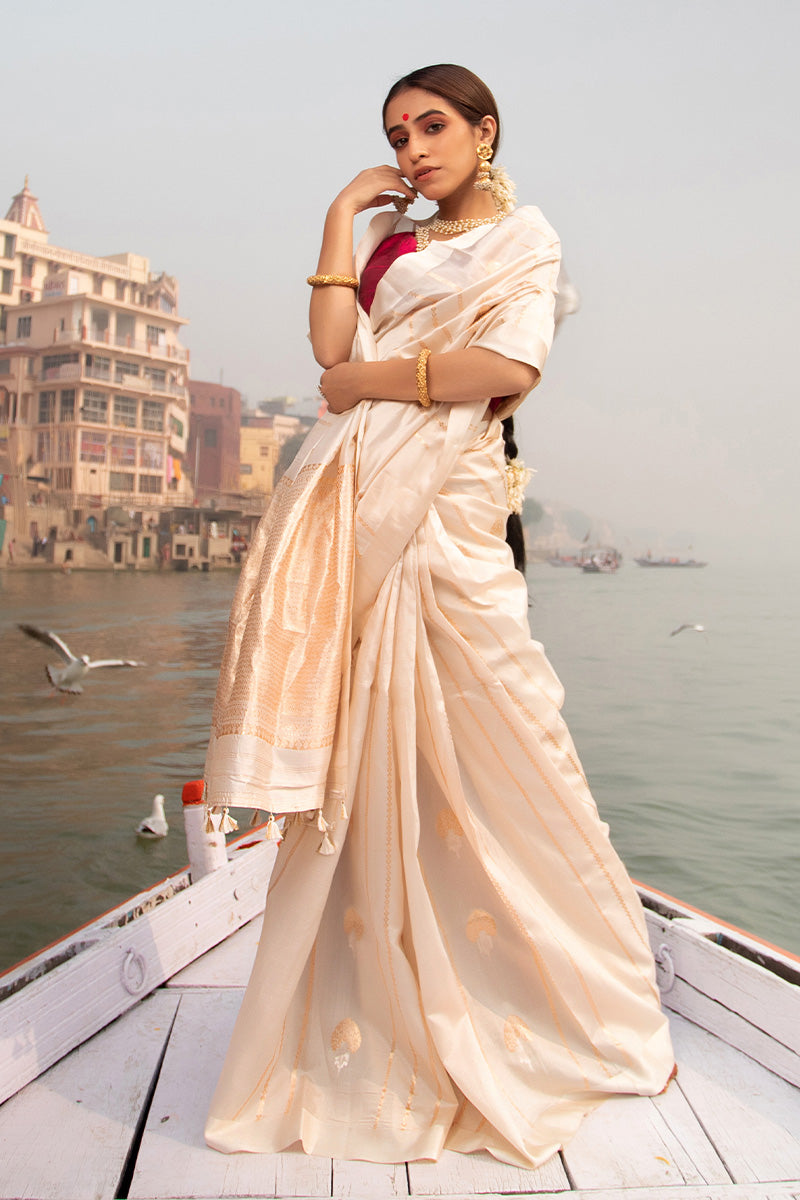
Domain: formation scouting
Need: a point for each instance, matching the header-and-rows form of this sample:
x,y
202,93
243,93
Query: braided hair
x,y
514,532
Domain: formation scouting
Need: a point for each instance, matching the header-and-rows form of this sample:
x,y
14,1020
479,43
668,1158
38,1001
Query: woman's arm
x,y
457,376
332,313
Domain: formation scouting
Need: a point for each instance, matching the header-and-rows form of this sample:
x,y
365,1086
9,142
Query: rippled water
x,y
690,742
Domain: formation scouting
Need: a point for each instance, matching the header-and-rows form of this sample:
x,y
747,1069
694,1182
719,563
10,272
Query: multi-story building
x,y
213,452
261,439
93,395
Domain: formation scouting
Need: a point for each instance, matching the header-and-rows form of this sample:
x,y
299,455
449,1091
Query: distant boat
x,y
564,560
603,561
669,562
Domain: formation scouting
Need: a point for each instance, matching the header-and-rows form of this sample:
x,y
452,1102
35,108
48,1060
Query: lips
x,y
424,173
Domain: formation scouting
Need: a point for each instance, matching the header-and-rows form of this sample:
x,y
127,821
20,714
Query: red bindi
x,y
405,116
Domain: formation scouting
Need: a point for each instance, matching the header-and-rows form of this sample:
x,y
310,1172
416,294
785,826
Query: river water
x,y
690,742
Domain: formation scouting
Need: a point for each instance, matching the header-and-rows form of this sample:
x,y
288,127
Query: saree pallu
x,y
466,964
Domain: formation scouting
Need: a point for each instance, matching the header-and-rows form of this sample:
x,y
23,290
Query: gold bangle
x,y
333,281
422,378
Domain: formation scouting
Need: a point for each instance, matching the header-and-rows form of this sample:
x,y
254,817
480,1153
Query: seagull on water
x,y
696,628
154,826
67,679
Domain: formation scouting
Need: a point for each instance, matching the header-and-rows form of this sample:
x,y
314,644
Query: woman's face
x,y
435,146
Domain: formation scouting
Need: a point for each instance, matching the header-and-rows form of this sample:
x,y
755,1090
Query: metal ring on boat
x,y
666,974
134,972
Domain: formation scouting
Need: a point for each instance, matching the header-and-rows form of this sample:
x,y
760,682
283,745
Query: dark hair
x,y
515,535
468,94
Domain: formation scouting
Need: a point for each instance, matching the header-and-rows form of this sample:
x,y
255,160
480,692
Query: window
x,y
5,366
151,455
98,366
120,290
153,416
121,369
95,407
265,451
67,406
146,547
52,362
93,446
150,483
6,281
210,438
43,447
245,468
23,327
156,335
175,426
47,407
125,412
64,479
120,481
9,246
123,451
158,379
64,443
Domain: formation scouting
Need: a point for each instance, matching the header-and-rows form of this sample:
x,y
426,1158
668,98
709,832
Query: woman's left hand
x,y
340,385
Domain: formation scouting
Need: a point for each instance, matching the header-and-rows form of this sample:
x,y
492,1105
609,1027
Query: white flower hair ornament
x,y
518,476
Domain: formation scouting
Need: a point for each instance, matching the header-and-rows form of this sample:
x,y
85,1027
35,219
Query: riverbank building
x,y
94,406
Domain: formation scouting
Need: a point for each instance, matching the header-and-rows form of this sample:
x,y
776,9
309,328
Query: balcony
x,y
65,371
124,341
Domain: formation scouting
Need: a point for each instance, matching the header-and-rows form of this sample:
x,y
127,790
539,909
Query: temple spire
x,y
25,210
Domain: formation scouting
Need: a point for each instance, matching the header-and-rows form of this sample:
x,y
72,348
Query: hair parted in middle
x,y
460,87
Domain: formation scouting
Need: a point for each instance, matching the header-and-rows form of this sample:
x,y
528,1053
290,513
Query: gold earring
x,y
484,181
401,203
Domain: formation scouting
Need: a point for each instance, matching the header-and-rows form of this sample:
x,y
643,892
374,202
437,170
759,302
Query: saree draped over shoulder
x,y
452,953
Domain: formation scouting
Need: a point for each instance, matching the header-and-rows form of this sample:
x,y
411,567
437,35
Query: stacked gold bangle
x,y
422,378
333,281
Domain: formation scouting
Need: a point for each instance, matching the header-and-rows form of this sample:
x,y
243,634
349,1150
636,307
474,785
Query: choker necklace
x,y
437,224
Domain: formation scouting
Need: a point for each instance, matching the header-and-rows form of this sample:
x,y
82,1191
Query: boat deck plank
x,y
481,1175
173,1159
227,965
360,1179
69,1131
636,1141
752,1115
727,1129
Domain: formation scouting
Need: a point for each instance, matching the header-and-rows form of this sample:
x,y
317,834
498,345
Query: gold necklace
x,y
437,224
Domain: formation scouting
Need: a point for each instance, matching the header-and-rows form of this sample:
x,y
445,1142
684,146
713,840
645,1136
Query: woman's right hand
x,y
373,188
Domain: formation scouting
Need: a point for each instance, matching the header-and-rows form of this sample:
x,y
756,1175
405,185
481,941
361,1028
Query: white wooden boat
x,y
112,1040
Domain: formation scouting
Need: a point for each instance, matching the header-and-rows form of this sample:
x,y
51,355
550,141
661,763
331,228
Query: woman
x,y
452,955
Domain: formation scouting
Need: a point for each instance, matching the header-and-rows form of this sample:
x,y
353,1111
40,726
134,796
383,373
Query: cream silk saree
x,y
452,953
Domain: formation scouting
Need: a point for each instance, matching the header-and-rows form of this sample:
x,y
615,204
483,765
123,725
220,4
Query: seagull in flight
x,y
696,628
67,678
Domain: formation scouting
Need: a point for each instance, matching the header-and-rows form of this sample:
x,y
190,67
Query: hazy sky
x,y
659,139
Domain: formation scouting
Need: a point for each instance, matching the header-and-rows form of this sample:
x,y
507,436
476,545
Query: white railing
x,y
122,341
